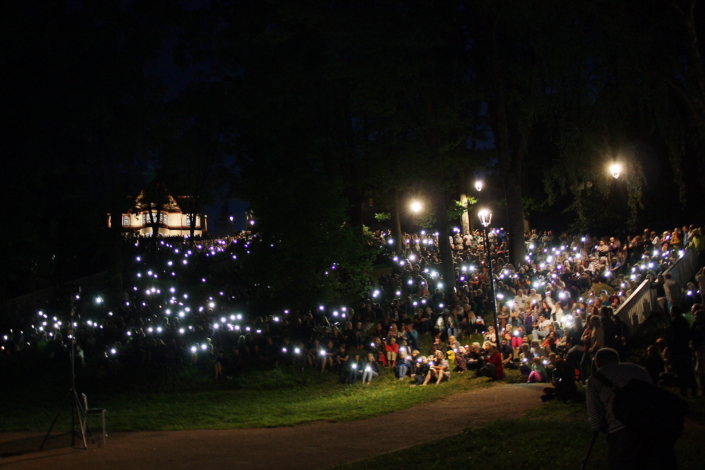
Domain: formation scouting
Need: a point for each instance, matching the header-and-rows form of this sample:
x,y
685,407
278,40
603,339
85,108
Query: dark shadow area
x,y
30,444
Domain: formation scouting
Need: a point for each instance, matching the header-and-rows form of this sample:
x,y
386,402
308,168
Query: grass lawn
x,y
555,436
263,399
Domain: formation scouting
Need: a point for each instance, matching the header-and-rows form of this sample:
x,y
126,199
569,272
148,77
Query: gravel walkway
x,y
309,446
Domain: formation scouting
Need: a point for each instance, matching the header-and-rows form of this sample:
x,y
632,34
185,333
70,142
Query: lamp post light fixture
x,y
478,185
616,170
485,219
416,206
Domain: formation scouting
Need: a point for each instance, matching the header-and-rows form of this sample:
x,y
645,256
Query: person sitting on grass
x,y
353,367
549,344
340,358
536,349
391,349
461,360
517,337
526,358
220,364
490,335
419,369
538,372
371,369
563,383
507,355
495,357
439,370
438,344
475,357
453,344
377,348
493,362
403,365
328,357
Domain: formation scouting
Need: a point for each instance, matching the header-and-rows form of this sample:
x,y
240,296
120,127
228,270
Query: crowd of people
x,y
184,306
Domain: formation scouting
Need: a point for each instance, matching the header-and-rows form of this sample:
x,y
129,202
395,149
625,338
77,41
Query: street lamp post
x,y
232,222
485,219
616,171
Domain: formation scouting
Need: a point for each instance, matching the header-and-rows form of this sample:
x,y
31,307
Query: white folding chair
x,y
93,411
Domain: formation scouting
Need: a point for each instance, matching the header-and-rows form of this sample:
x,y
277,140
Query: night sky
x,y
250,103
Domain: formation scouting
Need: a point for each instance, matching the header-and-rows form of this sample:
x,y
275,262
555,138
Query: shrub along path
x,y
308,446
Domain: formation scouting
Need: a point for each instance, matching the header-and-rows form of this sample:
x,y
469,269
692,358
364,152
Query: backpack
x,y
647,410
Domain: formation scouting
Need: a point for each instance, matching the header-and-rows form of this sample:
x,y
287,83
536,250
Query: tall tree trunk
x,y
447,267
465,218
396,224
510,166
515,224
151,219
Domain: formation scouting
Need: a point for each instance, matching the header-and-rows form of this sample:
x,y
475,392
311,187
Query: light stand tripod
x,y
77,410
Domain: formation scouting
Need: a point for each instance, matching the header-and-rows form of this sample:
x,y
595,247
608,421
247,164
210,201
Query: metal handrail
x,y
643,301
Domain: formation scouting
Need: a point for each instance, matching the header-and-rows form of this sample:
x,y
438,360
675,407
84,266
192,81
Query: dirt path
x,y
309,446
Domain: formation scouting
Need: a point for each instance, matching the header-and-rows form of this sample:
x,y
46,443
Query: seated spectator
x,y
391,351
453,343
563,383
507,355
371,369
549,344
220,365
490,335
461,360
476,357
526,358
493,365
438,345
542,328
517,337
419,368
403,365
537,350
328,357
438,371
538,372
340,359
378,349
354,368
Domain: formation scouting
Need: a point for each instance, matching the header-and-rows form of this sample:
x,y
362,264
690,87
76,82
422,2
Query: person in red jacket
x,y
495,358
392,349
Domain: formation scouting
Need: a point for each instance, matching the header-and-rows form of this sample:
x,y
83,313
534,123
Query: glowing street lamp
x,y
616,170
485,219
416,206
478,185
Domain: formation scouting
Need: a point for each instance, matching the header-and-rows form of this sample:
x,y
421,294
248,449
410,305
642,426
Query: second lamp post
x,y
485,219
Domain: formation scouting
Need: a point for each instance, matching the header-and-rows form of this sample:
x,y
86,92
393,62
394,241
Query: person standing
x,y
672,290
679,353
626,449
698,341
697,242
700,279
